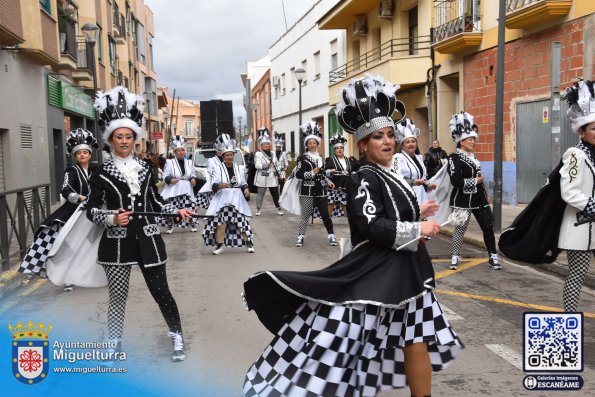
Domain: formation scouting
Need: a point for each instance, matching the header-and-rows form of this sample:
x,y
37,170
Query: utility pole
x,y
498,135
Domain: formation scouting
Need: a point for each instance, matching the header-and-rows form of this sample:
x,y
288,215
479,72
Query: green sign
x,y
65,96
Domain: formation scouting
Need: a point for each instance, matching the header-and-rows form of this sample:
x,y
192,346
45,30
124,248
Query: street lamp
x,y
299,75
240,131
255,107
91,32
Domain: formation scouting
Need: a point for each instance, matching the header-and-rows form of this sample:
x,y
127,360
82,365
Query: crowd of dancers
x,y
367,322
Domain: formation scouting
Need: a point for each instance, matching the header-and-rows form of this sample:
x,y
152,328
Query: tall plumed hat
x,y
178,143
581,102
461,126
119,108
311,130
227,144
81,139
263,135
279,139
338,140
367,105
406,129
220,141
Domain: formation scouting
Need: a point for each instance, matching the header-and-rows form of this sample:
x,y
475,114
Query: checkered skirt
x,y
350,350
179,202
237,224
37,255
203,200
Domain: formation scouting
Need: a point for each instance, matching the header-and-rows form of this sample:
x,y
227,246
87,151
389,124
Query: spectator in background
x,y
65,11
435,158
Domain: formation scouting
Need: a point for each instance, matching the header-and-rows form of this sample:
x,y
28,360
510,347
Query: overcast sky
x,y
202,46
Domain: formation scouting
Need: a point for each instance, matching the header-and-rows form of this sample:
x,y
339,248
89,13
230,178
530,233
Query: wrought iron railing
x,y
119,26
23,218
85,54
392,49
453,27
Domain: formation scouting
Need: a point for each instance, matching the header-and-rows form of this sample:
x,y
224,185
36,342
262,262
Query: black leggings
x,y
118,278
274,193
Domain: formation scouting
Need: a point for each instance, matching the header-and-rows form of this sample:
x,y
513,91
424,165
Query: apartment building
x,y
49,67
443,54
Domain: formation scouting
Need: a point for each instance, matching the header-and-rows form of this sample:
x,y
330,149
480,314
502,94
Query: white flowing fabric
x,y
442,195
229,196
290,198
183,186
73,257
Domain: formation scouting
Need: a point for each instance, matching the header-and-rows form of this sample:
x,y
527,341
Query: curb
x,y
556,268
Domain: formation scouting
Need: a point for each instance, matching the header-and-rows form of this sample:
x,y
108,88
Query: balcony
x,y
68,50
11,24
84,63
404,61
525,14
119,30
457,26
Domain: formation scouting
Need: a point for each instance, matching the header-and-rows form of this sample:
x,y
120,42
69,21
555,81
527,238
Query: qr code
x,y
553,342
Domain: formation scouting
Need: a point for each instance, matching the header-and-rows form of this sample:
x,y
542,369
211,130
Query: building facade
x,y
305,46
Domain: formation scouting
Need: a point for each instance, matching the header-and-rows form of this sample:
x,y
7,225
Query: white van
x,y
202,155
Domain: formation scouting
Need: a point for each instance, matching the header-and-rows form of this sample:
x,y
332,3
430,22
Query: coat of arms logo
x,y
30,351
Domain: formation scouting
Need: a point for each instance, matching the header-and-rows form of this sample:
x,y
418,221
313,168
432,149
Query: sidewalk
x,y
474,236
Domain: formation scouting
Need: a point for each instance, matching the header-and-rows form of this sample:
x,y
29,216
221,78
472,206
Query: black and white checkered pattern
x,y
484,218
352,350
312,206
179,202
236,225
337,196
34,260
118,278
470,185
102,218
578,263
459,234
588,212
203,200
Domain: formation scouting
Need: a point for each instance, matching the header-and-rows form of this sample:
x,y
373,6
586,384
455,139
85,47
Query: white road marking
x,y
511,356
450,315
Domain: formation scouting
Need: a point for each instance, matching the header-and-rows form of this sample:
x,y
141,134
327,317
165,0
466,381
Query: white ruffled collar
x,y
130,169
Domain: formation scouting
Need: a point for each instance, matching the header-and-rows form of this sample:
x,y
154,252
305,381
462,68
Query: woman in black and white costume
x,y
410,164
313,193
75,190
205,194
179,177
577,187
123,186
468,192
227,220
339,168
267,173
370,321
282,161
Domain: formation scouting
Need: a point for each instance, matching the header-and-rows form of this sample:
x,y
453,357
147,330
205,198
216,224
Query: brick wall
x,y
526,76
10,20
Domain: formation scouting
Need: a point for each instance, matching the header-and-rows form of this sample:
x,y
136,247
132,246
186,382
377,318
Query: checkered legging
x,y
351,350
237,224
578,263
484,218
118,278
274,193
307,203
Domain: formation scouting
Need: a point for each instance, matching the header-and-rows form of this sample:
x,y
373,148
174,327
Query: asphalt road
x,y
484,306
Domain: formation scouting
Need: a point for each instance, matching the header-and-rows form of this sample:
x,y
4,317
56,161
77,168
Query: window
x,y
140,42
316,65
46,6
413,32
150,60
112,54
334,55
292,78
283,84
99,45
188,127
305,67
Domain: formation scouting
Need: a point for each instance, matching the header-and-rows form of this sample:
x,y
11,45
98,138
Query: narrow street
x,y
484,306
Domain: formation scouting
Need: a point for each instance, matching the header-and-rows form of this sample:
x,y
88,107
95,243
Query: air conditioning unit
x,y
276,81
360,26
385,9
